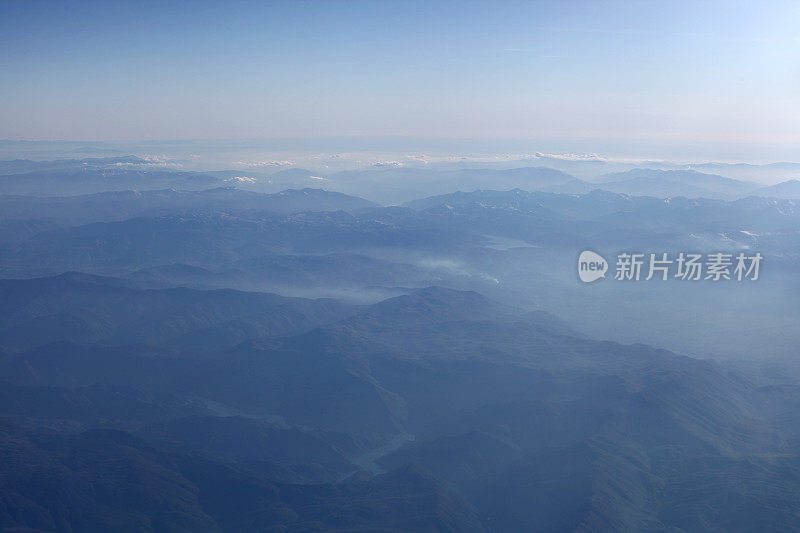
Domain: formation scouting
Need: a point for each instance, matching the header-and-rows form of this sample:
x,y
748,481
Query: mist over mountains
x,y
399,267
396,182
393,348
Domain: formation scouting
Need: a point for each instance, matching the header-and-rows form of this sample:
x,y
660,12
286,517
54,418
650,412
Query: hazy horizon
x,y
685,80
351,153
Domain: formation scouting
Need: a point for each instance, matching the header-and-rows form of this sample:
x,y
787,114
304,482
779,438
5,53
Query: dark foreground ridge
x,y
436,410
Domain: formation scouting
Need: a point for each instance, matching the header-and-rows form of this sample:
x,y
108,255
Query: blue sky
x,y
687,72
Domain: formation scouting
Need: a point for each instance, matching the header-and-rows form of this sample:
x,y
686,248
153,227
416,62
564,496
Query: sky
x,y
587,73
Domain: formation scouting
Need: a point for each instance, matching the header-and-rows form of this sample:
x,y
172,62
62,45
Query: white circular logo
x,y
591,266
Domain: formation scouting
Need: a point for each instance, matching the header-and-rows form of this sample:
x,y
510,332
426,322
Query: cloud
x,y
150,161
571,157
270,164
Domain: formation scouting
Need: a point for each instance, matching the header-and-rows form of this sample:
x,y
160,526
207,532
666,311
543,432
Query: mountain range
x,y
395,184
219,358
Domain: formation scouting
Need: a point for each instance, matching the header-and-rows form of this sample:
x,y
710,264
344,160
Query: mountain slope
x,y
87,180
788,189
84,308
671,183
119,205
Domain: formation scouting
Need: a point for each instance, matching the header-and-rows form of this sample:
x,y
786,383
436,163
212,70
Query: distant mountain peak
x,y
789,189
439,304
